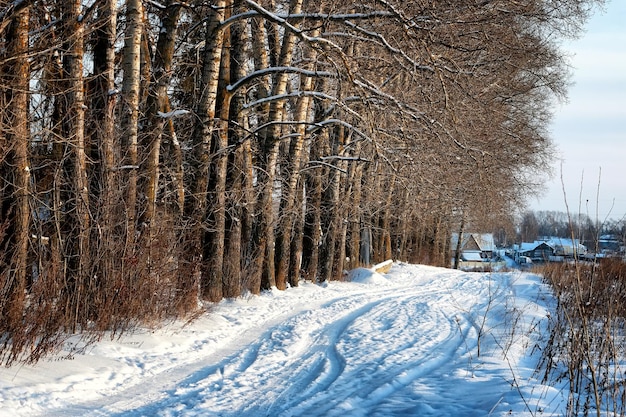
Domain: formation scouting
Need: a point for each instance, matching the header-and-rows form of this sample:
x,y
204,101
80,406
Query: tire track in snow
x,y
416,357
327,370
307,364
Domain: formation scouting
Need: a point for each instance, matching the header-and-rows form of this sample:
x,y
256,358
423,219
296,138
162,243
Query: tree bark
x,y
288,213
14,199
130,93
212,274
270,151
78,219
239,176
334,213
158,105
102,121
251,229
354,214
196,205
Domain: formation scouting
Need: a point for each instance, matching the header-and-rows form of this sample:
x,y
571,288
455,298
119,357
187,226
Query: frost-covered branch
x,y
383,42
413,112
317,164
344,158
335,17
316,94
260,73
273,17
319,125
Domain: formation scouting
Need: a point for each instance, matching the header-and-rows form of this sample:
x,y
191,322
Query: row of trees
x,y
153,154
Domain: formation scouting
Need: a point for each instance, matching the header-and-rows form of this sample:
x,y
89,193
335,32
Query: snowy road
x,y
401,345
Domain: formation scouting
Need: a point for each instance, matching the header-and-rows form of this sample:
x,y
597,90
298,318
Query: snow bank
x,y
366,276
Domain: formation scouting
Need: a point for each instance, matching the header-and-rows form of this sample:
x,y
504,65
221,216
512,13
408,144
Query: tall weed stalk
x,y
587,335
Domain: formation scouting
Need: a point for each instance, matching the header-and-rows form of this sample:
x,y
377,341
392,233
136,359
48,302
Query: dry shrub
x,y
144,286
585,345
599,287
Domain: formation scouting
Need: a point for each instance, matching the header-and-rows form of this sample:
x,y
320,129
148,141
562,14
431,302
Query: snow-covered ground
x,y
402,344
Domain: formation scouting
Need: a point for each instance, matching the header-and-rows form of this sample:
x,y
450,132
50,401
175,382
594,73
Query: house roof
x,y
554,243
566,244
482,241
471,256
529,246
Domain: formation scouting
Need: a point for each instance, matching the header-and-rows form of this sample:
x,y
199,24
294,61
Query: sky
x,y
400,344
590,128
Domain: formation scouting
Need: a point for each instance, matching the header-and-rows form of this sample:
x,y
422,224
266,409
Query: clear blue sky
x,y
590,129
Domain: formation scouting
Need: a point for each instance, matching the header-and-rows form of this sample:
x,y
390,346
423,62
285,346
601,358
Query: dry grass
x,y
585,347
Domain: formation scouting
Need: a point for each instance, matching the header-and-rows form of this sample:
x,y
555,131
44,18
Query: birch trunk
x,y
288,211
251,229
197,203
354,214
130,93
331,265
102,131
312,239
212,273
312,219
296,249
270,152
158,102
239,175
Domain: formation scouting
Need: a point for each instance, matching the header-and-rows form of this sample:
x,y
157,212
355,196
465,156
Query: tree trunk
x,y
312,239
238,218
385,225
354,215
14,198
312,220
212,273
130,93
295,251
74,130
289,212
196,204
333,251
270,151
459,244
251,233
158,105
104,186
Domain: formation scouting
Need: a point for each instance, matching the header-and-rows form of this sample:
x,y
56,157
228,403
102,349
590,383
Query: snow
x,y
400,344
173,114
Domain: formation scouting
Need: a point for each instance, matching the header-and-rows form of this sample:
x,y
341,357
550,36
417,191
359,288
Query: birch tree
x,y
288,212
130,127
196,204
270,143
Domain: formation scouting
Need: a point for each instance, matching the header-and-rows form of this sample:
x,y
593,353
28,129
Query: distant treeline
x,y
536,224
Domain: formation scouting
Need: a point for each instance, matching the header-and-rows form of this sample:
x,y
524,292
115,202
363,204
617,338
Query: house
x,y
610,245
554,249
475,247
565,247
537,251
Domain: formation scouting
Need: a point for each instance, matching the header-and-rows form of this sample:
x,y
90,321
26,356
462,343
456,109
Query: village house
x,y
552,249
477,250
537,251
474,246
